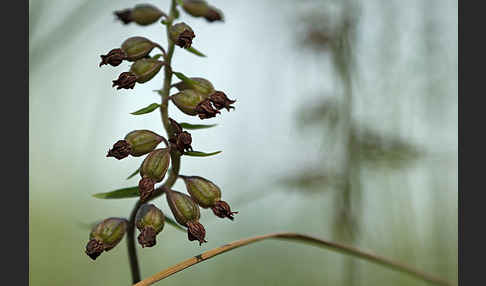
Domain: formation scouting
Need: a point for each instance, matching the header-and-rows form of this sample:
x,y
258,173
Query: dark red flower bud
x,y
114,57
125,80
124,15
222,209
174,130
186,212
220,100
196,231
182,35
105,236
120,150
150,221
205,110
146,188
213,14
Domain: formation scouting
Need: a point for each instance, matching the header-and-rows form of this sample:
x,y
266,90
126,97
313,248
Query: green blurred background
x,y
345,128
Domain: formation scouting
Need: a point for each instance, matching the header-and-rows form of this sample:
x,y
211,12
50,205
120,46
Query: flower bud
x,y
136,143
207,195
153,170
145,14
125,80
220,100
145,69
186,212
150,221
142,141
137,48
114,57
181,139
181,34
201,85
188,100
199,8
142,14
105,235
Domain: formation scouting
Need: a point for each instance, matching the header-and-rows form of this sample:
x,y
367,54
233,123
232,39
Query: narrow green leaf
x,y
133,174
196,52
147,109
201,154
185,79
157,56
130,192
174,224
195,126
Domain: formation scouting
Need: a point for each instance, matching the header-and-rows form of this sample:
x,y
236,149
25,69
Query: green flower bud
x,y
105,235
207,195
145,14
137,48
142,141
201,85
145,69
181,34
188,100
200,8
150,221
186,212
153,169
136,143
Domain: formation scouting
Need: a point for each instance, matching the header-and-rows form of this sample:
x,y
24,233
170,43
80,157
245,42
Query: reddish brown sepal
x,y
94,248
213,15
124,16
146,188
196,231
120,150
125,80
222,209
185,39
114,57
205,110
146,238
220,101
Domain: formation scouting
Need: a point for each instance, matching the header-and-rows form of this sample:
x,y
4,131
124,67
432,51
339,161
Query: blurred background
x,y
345,128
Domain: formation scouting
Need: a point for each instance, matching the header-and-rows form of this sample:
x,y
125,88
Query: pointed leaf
x,y
196,52
195,126
147,109
133,174
131,192
174,224
185,79
157,56
201,154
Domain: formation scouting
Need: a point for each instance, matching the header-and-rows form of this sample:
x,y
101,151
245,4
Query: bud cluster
x,y
195,96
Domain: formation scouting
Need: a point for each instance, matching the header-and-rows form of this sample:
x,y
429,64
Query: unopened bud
x,y
153,169
200,85
145,69
125,80
220,100
207,195
142,14
137,48
142,141
181,34
105,235
188,100
145,14
114,57
206,110
186,212
200,8
150,221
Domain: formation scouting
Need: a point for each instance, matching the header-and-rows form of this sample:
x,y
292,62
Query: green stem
x,y
175,156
